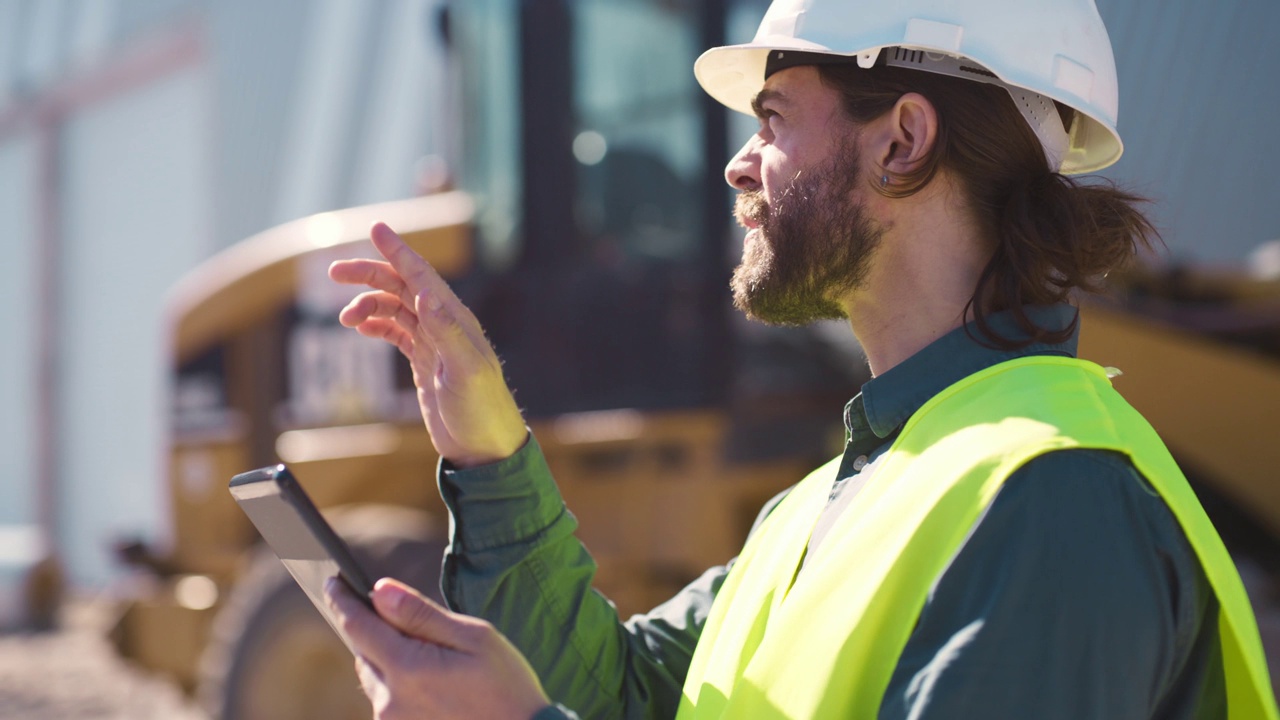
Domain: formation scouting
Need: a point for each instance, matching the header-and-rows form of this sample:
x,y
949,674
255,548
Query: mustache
x,y
751,205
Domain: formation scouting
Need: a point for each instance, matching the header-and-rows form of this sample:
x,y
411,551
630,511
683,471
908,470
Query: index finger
x,y
417,273
419,277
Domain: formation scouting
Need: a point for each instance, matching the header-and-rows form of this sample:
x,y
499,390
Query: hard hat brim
x,y
734,74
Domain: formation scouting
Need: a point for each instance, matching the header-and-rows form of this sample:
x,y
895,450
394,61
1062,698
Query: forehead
x,y
796,88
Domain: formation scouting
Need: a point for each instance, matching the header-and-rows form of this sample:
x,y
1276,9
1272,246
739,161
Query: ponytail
x,y
1054,234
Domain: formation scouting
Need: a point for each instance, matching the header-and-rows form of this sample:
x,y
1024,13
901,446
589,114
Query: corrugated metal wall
x,y
1199,102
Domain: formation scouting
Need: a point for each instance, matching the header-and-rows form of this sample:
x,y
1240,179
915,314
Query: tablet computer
x,y
299,535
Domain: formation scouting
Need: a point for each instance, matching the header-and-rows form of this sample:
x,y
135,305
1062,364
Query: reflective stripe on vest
x,y
826,646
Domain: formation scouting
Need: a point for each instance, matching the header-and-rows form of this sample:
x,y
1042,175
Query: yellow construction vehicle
x,y
659,493
1199,353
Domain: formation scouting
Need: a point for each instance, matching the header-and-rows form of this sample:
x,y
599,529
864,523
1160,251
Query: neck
x,y
922,276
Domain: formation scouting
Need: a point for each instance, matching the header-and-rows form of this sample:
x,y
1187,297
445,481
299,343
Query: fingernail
x,y
396,600
433,302
330,589
392,596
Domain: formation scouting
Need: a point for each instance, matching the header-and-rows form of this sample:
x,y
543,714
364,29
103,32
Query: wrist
x,y
468,461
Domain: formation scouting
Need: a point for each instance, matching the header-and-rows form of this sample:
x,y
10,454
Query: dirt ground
x,y
72,674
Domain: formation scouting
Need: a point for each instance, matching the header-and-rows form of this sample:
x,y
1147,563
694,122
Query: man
x,y
1003,536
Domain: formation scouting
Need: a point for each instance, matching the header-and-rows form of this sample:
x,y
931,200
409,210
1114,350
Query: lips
x,y
750,209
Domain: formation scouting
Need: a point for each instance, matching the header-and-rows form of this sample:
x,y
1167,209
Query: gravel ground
x,y
72,674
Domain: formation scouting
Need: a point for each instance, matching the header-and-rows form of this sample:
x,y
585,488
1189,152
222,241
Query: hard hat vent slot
x,y
977,71
908,56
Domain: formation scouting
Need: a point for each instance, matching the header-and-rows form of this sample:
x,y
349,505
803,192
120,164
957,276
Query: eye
x,y
768,118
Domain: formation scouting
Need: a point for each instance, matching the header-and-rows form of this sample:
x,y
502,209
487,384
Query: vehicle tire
x,y
272,656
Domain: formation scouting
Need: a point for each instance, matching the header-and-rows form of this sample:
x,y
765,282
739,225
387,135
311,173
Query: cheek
x,y
782,160
776,174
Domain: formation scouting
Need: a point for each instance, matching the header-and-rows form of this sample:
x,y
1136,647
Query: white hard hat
x,y
1036,49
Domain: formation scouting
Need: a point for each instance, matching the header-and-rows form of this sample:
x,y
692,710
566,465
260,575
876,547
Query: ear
x,y
908,134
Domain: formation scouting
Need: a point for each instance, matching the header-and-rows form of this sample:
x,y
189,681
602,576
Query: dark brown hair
x,y
1052,233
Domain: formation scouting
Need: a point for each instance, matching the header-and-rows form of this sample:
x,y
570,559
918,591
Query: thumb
x,y
411,613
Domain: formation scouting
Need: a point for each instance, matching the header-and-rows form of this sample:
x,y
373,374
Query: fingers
x,y
378,304
374,273
408,277
464,399
416,272
419,278
411,613
390,331
419,673
372,638
381,315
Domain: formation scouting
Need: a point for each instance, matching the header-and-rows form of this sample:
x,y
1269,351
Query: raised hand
x,y
418,660
465,402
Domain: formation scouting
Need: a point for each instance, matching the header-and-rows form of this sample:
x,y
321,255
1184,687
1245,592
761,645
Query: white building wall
x,y
136,189
323,112
19,289
406,117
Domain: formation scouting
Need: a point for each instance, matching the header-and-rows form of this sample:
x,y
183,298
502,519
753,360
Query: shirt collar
x,y
887,401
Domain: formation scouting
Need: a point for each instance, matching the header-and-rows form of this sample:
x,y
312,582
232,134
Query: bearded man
x,y
1003,537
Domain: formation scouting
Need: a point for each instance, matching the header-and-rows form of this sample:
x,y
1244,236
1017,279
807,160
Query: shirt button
x,y
859,463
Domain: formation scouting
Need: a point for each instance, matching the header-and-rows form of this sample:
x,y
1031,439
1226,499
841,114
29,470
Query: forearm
x,y
515,562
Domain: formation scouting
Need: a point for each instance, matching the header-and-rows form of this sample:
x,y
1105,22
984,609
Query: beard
x,y
812,247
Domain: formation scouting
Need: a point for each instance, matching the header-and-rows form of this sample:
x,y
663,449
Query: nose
x,y
743,171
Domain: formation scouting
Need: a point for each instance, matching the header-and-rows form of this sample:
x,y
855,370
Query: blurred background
x,y
175,175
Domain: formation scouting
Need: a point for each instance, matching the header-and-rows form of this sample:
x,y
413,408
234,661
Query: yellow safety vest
x,y
826,646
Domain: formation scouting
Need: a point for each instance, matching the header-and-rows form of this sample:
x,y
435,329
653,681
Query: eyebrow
x,y
764,96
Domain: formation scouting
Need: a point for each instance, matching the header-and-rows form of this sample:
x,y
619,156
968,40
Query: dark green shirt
x,y
1075,596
